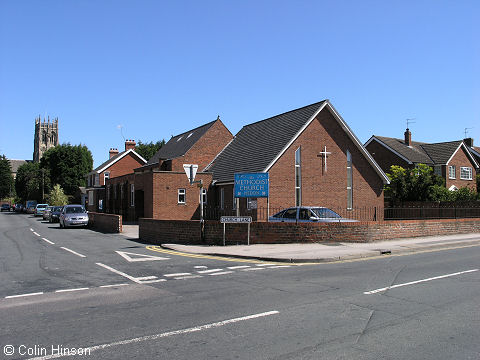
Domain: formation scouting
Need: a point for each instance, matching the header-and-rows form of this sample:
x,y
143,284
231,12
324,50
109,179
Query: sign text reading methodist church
x,y
253,185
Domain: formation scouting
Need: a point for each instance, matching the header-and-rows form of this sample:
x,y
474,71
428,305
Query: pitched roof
x,y
259,145
114,159
15,164
256,145
178,145
421,153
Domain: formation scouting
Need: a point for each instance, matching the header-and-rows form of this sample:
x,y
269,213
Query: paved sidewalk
x,y
328,252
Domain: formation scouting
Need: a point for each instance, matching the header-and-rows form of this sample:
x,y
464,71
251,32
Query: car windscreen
x,y
324,213
57,209
74,210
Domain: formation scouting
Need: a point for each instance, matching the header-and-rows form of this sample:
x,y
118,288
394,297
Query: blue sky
x,y
159,68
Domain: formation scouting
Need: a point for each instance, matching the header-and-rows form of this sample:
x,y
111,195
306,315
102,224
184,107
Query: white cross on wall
x,y
325,154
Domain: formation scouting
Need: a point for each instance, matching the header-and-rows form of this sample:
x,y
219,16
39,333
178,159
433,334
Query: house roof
x,y
178,145
423,153
15,164
259,145
114,159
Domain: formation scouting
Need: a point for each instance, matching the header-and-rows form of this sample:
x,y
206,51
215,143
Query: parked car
x,y
5,207
30,206
73,215
55,213
308,214
47,212
19,208
39,209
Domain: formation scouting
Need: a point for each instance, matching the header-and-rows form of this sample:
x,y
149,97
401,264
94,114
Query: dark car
x,y
55,214
73,215
308,214
5,207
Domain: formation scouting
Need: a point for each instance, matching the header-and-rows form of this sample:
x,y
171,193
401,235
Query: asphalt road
x,y
109,297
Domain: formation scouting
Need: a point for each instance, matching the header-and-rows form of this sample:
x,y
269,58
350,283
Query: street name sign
x,y
254,185
235,219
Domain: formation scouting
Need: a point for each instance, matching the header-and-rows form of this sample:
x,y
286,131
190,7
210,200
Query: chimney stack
x,y
113,152
468,142
408,137
129,144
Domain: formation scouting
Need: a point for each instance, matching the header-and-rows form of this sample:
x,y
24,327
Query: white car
x,y
308,214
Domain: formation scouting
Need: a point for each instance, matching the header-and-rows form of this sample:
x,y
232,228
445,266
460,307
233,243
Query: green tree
x,y
6,179
413,184
57,197
68,166
28,182
147,150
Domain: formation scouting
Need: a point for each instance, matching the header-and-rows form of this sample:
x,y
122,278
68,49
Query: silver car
x,y
73,215
308,214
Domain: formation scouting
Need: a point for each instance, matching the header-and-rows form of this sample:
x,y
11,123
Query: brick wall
x,y
105,222
460,159
384,157
188,232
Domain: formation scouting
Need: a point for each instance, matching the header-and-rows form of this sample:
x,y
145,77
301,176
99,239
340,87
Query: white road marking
x,y
139,257
48,241
71,251
418,281
177,274
31,229
152,281
200,267
238,267
113,285
253,269
221,273
36,233
279,266
23,295
166,334
70,290
209,271
264,264
132,278
188,277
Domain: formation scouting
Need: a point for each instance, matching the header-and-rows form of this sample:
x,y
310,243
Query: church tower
x,y
46,136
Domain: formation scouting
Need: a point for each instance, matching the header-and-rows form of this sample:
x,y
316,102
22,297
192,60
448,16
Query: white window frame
x,y
466,173
349,180
203,192
222,198
182,192
298,177
132,195
452,172
106,175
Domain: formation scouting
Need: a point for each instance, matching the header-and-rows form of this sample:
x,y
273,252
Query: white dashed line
x,y
177,274
418,281
48,241
209,271
71,251
36,233
165,334
264,264
23,295
31,229
279,266
114,285
238,267
188,277
221,273
70,290
253,269
200,267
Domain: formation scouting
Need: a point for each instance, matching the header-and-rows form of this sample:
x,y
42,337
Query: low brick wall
x,y
188,232
109,223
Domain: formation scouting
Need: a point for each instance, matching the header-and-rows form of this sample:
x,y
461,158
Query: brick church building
x,y
313,158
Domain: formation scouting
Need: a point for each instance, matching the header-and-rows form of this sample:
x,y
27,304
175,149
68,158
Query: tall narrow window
x,y
349,181
298,178
182,196
106,175
222,198
132,194
451,172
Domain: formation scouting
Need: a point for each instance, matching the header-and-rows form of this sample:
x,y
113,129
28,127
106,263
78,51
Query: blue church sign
x,y
252,185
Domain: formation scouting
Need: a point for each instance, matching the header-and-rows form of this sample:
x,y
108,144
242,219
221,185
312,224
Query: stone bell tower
x,y
46,136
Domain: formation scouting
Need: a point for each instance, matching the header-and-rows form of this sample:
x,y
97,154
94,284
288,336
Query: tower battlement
x,y
46,136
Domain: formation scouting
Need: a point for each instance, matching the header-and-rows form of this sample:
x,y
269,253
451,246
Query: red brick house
x,y
454,161
160,188
312,157
117,165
